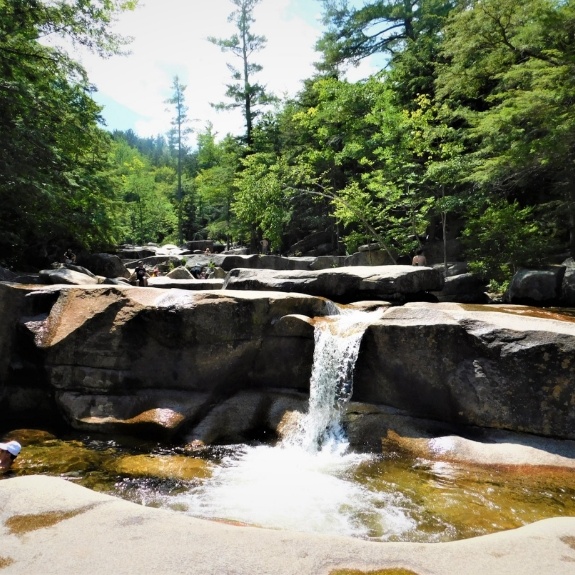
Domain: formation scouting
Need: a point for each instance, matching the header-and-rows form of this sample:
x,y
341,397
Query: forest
x,y
467,133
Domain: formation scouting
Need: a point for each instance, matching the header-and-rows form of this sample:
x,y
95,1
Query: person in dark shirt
x,y
141,274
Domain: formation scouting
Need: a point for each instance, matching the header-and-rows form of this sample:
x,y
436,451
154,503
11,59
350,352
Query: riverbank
x,y
50,526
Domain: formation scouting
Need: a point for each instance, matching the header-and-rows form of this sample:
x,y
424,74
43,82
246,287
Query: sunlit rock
x,y
344,285
179,273
487,366
163,466
64,275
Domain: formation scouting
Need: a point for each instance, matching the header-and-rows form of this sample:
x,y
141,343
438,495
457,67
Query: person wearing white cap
x,y
8,453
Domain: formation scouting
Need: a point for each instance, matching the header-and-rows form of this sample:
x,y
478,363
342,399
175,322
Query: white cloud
x,y
170,37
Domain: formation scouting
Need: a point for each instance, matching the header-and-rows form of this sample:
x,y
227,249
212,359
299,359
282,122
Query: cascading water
x,y
337,341
306,482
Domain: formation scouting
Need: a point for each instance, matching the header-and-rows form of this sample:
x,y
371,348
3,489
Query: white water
x,y
306,483
337,341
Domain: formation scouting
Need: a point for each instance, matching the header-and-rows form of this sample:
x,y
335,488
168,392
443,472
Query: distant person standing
x,y
265,243
419,259
141,274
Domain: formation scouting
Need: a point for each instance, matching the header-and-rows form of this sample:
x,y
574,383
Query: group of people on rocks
x,y
142,275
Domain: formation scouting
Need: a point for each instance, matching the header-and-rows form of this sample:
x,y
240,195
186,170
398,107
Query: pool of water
x,y
381,498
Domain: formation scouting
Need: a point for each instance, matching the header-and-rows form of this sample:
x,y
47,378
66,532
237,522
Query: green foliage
x,y
509,77
177,139
145,211
53,183
378,26
215,183
261,201
472,120
501,238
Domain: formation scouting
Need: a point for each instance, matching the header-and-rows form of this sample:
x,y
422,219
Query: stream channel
x,y
310,481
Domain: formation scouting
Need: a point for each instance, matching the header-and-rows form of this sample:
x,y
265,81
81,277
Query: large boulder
x,y
116,358
463,288
477,367
127,252
106,265
344,285
6,275
104,344
64,275
568,284
191,283
180,273
51,525
536,287
229,261
369,257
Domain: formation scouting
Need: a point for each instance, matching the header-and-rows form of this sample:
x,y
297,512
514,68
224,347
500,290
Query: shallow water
x,y
389,498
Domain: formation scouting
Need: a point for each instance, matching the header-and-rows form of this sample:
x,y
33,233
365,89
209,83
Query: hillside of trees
x,y
468,132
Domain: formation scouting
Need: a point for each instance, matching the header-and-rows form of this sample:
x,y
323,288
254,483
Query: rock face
x,y
463,288
344,285
484,368
116,357
106,265
536,287
67,276
219,366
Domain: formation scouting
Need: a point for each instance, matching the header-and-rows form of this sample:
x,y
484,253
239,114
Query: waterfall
x,y
306,482
337,342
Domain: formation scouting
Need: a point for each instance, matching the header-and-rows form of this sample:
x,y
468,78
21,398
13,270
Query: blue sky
x,y
170,37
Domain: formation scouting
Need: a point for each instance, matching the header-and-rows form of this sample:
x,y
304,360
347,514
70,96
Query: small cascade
x,y
337,342
306,482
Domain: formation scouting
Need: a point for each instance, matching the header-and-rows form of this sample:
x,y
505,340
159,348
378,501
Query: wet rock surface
x,y
50,526
147,360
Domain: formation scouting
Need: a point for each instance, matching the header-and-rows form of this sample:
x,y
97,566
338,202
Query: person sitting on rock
x,y
419,259
8,453
69,257
141,274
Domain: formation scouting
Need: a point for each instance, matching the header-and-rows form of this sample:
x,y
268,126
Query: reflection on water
x,y
389,498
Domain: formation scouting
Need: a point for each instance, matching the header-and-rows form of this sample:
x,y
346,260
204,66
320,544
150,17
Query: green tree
x,y
377,27
143,196
177,136
218,165
53,156
244,92
261,201
501,238
509,80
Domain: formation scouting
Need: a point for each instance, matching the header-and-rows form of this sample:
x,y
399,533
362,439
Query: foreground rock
x,y
67,276
49,526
